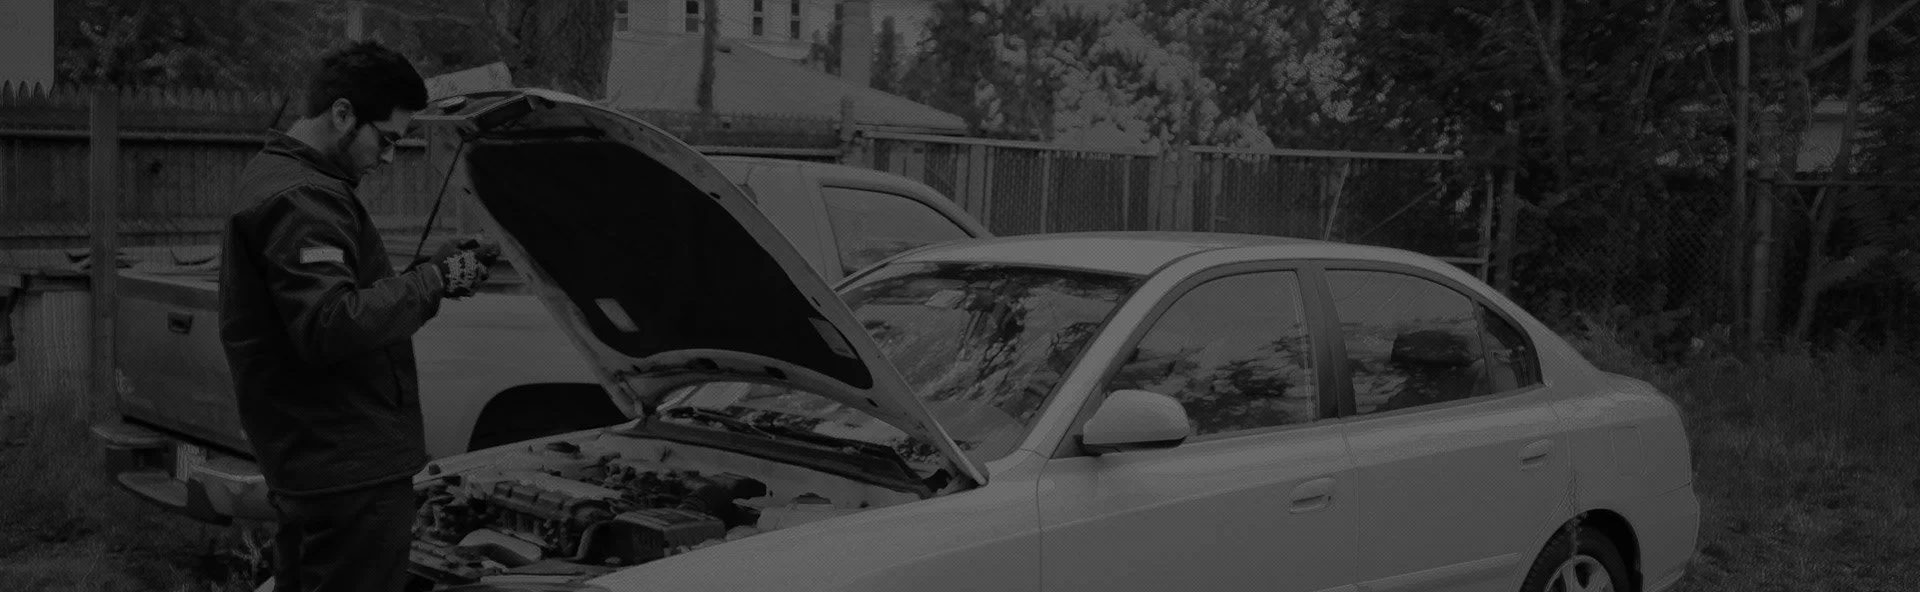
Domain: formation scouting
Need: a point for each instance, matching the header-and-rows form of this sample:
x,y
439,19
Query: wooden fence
x,y
182,150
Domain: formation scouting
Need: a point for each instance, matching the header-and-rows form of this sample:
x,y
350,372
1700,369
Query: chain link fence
x,y
1424,203
1660,269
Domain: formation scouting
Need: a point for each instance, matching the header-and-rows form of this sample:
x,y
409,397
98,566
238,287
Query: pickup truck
x,y
494,368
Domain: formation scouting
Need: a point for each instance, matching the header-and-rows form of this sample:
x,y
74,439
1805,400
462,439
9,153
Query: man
x,y
318,329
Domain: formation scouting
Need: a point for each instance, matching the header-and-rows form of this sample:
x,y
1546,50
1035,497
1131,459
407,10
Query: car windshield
x,y
983,345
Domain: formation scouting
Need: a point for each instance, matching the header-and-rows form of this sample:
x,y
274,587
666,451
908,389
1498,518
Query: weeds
x,y
63,527
1804,462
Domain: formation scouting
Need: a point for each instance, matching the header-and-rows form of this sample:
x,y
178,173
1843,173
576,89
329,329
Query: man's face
x,y
373,143
366,145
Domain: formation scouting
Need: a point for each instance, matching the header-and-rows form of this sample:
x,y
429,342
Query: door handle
x,y
1535,454
1313,495
180,322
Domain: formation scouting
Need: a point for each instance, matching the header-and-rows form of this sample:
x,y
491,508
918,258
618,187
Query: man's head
x,y
360,100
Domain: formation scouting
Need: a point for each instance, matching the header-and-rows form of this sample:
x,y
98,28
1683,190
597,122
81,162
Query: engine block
x,y
618,514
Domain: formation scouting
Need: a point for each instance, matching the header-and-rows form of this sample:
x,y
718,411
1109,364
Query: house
x,y
26,38
1820,143
783,28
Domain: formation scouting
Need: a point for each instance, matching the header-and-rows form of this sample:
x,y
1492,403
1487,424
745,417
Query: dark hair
x,y
375,79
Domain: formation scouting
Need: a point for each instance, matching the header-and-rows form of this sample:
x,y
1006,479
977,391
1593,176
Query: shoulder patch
x,y
322,255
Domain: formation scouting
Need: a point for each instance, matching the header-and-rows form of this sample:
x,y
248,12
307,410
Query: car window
x,y
1235,351
1511,361
870,226
1410,341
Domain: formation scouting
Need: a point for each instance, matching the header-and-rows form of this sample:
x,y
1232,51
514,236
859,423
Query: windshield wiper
x,y
731,423
773,430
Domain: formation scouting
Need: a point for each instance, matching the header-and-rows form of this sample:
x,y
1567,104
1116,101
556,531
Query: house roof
x,y
661,71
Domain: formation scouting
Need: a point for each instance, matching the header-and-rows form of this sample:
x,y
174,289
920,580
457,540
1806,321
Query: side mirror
x,y
1136,420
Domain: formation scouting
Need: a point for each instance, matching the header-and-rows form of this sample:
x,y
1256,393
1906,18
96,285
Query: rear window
x,y
870,226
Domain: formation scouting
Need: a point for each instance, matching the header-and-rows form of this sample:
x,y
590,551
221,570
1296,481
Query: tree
x,y
229,44
886,57
1587,103
1852,228
565,46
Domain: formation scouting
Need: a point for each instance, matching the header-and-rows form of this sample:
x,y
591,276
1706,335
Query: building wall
x,y
776,33
26,39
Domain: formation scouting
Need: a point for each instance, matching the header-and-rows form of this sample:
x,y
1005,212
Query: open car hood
x,y
660,269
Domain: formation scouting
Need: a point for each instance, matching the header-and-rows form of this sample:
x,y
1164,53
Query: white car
x,y
1100,411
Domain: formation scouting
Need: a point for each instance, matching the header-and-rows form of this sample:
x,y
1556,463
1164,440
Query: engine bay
x,y
577,508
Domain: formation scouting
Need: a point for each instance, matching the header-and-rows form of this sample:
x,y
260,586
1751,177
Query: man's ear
x,y
341,115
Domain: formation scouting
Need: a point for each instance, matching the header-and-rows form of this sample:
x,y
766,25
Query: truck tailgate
x,y
173,370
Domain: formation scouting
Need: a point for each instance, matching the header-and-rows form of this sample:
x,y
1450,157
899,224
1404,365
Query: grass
x,y
1806,465
1805,462
63,527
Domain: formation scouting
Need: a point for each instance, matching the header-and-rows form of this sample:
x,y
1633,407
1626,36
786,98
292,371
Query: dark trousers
x,y
356,540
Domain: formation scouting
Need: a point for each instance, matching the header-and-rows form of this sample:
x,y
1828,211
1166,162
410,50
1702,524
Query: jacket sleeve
x,y
308,250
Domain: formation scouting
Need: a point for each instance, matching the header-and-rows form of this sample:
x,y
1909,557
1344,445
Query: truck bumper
x,y
181,477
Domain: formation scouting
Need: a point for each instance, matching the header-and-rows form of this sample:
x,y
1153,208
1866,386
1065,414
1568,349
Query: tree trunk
x,y
1825,208
1742,95
1783,144
1547,43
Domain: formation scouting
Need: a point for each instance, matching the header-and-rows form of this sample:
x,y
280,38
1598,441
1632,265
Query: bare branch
x,y
1645,83
1834,53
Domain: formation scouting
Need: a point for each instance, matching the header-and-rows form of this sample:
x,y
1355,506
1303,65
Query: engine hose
x,y
586,540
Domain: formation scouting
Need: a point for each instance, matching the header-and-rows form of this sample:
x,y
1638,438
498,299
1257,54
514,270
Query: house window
x,y
793,22
693,16
620,9
759,18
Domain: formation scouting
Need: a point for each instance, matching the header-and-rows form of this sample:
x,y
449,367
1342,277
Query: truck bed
x,y
172,371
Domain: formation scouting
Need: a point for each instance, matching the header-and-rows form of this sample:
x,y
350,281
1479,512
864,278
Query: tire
x,y
1583,562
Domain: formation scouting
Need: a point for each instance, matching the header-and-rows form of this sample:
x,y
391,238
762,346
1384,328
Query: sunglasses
x,y
388,138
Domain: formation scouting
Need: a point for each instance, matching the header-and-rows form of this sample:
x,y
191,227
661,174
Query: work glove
x,y
462,264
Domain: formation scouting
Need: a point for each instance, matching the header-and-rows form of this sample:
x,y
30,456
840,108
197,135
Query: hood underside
x,y
659,268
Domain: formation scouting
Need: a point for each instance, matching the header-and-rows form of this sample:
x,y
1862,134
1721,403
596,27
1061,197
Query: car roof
x,y
1142,253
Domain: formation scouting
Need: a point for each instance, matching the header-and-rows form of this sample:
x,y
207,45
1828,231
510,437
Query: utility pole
x,y
709,38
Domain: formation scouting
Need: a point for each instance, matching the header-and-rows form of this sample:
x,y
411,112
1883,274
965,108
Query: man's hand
x,y
463,263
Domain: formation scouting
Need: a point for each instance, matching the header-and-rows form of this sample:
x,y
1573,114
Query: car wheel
x,y
1578,560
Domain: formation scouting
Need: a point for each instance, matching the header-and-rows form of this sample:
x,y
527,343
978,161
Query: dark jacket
x,y
318,329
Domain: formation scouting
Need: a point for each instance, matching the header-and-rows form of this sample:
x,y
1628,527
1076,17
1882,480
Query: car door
x,y
1261,497
1459,466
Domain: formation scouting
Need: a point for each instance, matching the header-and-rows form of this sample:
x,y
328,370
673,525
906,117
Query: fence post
x,y
1046,187
1486,226
1216,177
1126,192
103,183
1509,226
1184,190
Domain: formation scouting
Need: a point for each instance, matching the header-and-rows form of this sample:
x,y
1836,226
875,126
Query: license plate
x,y
186,458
